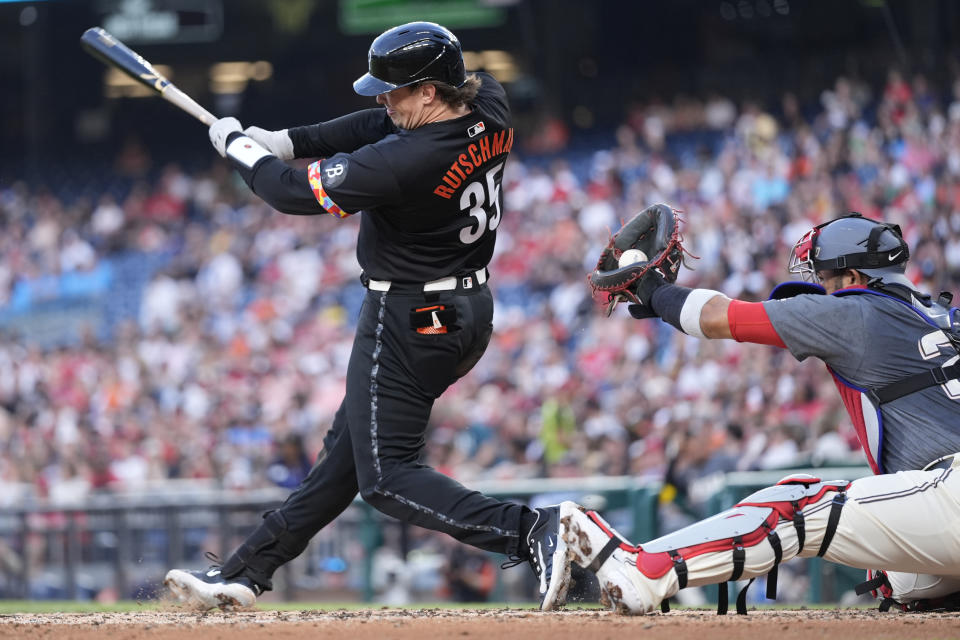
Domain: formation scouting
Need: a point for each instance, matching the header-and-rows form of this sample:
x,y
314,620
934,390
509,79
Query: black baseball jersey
x,y
430,196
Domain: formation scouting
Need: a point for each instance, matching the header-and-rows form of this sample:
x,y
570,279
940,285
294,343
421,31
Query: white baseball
x,y
630,256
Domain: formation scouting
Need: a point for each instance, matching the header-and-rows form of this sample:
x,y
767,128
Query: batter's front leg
x,y
324,494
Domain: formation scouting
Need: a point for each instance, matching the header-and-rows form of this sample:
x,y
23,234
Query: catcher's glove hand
x,y
655,232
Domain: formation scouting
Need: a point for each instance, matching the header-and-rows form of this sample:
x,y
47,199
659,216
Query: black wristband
x,y
667,302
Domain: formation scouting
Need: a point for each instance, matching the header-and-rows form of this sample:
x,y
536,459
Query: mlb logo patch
x,y
468,283
476,129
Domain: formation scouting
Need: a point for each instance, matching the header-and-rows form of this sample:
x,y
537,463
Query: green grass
x,y
68,606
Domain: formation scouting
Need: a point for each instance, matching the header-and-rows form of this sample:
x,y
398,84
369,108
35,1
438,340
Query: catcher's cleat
x,y
548,557
624,589
205,590
595,545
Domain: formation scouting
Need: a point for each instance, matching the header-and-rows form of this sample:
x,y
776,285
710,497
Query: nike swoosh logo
x,y
214,572
894,256
550,543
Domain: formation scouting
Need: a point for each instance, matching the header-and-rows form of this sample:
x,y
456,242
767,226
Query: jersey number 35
x,y
481,199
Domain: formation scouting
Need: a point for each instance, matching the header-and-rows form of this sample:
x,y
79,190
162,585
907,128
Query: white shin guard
x,y
750,540
904,523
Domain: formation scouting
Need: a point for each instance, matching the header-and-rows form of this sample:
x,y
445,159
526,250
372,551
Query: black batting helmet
x,y
876,249
412,53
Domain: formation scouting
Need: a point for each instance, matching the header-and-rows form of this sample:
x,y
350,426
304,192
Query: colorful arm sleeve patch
x,y
314,173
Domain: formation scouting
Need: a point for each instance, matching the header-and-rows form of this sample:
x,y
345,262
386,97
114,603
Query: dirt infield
x,y
499,624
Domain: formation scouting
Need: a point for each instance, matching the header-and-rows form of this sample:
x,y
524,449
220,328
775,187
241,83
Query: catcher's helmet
x,y
412,53
876,249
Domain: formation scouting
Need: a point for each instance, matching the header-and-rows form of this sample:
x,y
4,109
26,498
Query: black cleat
x,y
548,557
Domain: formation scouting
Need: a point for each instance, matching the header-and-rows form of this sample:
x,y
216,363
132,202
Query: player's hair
x,y
454,96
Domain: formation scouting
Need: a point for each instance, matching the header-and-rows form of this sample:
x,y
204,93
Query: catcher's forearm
x,y
691,310
714,318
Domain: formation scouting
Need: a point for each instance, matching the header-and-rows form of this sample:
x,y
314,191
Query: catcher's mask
x,y
412,53
876,249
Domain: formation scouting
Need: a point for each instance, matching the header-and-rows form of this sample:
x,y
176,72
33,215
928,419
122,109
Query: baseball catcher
x,y
892,352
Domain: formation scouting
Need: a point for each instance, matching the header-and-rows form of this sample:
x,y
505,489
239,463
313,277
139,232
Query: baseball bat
x,y
114,53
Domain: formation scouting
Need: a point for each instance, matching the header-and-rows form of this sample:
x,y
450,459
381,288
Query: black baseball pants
x,y
374,446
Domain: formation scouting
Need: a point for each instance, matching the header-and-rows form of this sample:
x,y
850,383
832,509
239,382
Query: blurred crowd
x,y
234,365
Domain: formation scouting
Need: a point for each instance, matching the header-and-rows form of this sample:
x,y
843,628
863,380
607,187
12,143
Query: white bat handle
x,y
173,95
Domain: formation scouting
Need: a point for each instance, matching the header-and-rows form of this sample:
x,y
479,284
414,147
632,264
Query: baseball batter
x,y
425,170
892,352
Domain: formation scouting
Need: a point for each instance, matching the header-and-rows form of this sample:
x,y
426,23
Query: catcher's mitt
x,y
655,232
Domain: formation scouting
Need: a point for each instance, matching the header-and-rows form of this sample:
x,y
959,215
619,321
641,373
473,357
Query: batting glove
x,y
276,142
220,130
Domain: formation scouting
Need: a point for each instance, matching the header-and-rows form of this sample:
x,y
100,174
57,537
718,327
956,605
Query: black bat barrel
x,y
111,51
